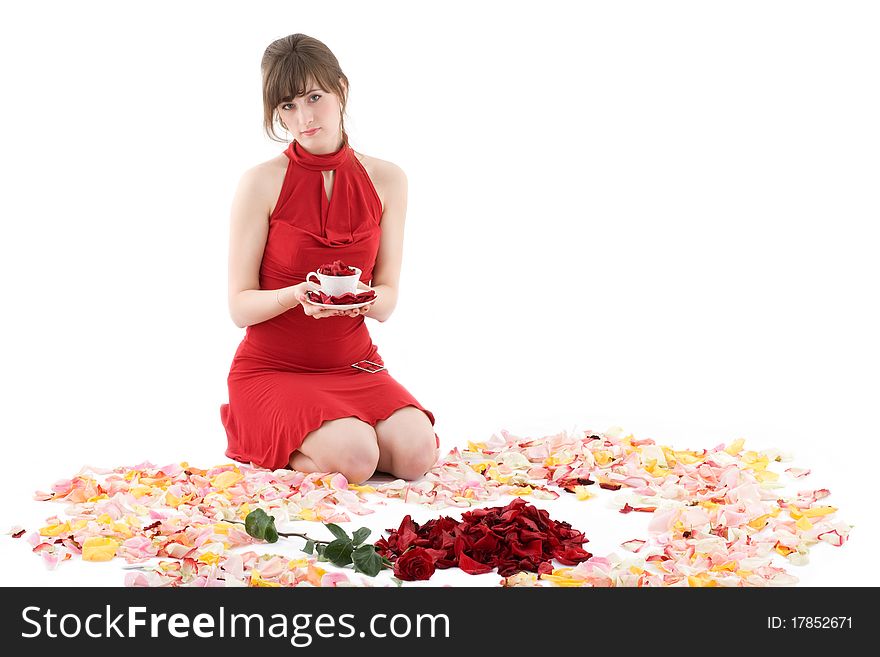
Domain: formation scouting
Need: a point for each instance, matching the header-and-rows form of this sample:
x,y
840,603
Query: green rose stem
x,y
286,534
343,551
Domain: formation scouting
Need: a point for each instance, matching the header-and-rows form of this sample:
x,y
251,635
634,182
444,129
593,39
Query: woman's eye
x,y
286,105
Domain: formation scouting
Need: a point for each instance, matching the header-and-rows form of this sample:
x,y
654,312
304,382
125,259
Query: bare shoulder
x,y
386,176
267,178
381,169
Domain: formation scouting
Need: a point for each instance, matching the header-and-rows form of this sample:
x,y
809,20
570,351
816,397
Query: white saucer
x,y
345,306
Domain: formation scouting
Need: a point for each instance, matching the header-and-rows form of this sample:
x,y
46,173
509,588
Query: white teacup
x,y
337,285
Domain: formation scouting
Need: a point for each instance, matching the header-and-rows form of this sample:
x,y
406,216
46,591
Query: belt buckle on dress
x,y
368,366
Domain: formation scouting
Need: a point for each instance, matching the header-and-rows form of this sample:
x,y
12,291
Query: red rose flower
x,y
414,564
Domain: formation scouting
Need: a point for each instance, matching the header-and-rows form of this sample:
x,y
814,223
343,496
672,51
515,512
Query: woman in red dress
x,y
295,398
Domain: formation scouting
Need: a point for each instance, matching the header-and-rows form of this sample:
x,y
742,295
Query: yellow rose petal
x,y
582,493
226,479
55,530
804,524
315,573
783,550
140,491
735,447
766,475
730,565
258,581
211,558
563,458
99,548
703,579
760,521
819,511
122,528
560,577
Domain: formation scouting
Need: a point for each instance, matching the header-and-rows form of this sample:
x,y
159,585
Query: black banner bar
x,y
395,620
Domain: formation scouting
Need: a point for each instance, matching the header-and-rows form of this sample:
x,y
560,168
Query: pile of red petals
x,y
336,268
316,296
517,537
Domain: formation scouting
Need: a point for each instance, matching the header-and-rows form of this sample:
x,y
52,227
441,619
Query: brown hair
x,y
288,64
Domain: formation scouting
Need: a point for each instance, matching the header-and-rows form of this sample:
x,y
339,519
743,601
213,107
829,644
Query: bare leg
x,y
407,443
302,463
385,465
346,445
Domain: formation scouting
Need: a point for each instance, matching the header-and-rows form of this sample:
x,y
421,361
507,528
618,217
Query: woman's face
x,y
316,109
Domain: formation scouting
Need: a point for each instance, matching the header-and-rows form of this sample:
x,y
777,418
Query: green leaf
x,y
339,552
252,522
260,524
337,531
309,547
367,561
360,536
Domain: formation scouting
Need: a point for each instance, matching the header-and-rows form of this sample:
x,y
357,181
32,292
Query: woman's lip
x,y
309,133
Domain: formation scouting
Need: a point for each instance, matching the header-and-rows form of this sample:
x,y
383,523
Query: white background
x,y
678,201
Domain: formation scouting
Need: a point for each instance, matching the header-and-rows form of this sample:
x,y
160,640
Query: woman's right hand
x,y
310,309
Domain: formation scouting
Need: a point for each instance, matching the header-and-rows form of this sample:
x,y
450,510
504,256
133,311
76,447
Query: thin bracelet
x,y
278,299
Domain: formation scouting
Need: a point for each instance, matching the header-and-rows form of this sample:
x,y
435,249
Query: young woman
x,y
295,398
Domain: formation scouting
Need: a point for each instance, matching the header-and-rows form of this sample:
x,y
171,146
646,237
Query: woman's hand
x,y
318,312
354,312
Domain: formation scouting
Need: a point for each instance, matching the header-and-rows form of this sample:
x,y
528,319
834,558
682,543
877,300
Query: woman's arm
x,y
255,306
382,308
249,228
386,272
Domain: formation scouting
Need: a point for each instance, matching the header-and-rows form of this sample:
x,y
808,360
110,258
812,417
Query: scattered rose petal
x,y
717,515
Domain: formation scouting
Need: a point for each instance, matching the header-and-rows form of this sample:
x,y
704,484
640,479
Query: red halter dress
x,y
293,372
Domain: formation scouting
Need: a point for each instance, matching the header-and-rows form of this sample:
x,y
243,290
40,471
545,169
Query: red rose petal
x,y
513,538
472,567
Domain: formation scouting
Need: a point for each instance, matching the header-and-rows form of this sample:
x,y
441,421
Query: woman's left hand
x,y
363,310
354,312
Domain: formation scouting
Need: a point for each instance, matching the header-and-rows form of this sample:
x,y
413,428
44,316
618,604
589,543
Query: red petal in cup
x,y
336,268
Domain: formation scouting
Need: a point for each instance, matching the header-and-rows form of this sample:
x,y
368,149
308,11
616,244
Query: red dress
x,y
293,372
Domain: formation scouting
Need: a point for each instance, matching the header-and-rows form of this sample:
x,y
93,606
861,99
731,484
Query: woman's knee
x,y
358,463
345,445
414,460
